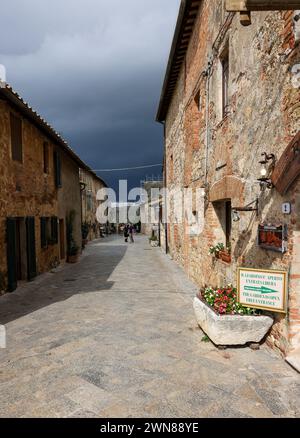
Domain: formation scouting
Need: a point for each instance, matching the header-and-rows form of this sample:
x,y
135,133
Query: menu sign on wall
x,y
263,289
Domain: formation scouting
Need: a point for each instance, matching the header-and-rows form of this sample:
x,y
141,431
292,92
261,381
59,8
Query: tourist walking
x,y
126,233
131,231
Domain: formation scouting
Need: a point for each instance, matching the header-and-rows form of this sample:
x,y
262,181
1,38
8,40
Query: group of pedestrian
x,y
128,233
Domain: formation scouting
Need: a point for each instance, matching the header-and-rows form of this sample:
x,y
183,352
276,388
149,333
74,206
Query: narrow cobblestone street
x,y
115,336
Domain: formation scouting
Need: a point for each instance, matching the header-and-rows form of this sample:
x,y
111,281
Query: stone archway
x,y
229,187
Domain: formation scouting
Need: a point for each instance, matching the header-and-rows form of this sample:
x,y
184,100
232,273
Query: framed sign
x,y
273,238
263,289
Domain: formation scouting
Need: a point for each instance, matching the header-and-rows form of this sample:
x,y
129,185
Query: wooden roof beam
x,y
261,5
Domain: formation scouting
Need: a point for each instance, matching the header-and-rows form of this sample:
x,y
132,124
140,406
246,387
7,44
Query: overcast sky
x,y
94,70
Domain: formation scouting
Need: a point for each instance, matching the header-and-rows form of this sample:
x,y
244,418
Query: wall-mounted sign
x,y
287,208
273,238
263,289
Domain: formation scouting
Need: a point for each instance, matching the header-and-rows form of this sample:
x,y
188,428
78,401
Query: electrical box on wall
x,y
273,237
287,208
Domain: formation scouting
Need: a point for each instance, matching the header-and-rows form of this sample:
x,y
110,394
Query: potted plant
x,y
85,229
220,252
225,321
73,252
72,247
154,241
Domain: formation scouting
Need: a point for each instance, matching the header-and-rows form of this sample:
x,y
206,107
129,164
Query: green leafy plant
x,y
224,301
205,339
214,250
72,247
85,229
153,239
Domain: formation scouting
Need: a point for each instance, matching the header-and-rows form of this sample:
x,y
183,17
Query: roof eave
x,y
184,28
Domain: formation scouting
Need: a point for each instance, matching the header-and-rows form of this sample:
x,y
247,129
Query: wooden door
x,y
62,239
11,242
31,252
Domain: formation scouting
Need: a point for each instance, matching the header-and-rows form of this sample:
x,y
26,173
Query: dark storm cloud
x,y
94,69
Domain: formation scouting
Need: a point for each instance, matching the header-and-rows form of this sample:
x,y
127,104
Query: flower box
x,y
230,330
224,256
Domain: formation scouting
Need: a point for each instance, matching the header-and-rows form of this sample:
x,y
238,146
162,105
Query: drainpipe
x,y
207,145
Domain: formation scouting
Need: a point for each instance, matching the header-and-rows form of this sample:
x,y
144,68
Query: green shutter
x,y
31,254
44,242
57,169
11,254
54,230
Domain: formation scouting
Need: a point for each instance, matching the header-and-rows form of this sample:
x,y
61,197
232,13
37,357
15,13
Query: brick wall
x,y
263,116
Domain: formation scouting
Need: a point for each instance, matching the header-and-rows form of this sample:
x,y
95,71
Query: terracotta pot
x,y
73,259
225,256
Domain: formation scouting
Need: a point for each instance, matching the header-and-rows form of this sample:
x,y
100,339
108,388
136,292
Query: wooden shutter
x,y
11,254
44,242
46,157
287,169
16,138
57,169
31,254
54,230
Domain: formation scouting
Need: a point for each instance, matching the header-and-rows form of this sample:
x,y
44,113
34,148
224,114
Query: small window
x,y
46,157
49,231
16,138
57,168
225,83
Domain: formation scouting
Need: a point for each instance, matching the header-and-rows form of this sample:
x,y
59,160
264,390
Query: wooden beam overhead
x,y
261,5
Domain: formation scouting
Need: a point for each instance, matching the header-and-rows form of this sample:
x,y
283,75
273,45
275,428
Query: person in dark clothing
x,y
131,230
126,233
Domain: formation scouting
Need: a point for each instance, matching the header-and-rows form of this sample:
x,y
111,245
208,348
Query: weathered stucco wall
x,y
89,202
263,116
69,197
28,191
25,189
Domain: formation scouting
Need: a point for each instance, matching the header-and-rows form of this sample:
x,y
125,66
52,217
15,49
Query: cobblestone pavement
x,y
115,336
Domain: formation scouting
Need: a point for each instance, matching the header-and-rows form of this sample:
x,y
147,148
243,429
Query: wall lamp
x,y
235,211
268,164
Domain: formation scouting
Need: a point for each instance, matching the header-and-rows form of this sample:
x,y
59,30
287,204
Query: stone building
x,y
40,189
150,206
231,93
90,186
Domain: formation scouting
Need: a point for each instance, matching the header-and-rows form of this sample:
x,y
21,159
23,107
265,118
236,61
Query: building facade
x,y
40,190
90,186
230,101
150,206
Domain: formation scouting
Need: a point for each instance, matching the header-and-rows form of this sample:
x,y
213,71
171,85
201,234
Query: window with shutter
x,y
31,253
225,84
11,239
57,168
54,230
44,242
16,138
46,157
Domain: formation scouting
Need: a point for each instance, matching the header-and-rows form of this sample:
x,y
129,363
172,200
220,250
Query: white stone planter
x,y
231,329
